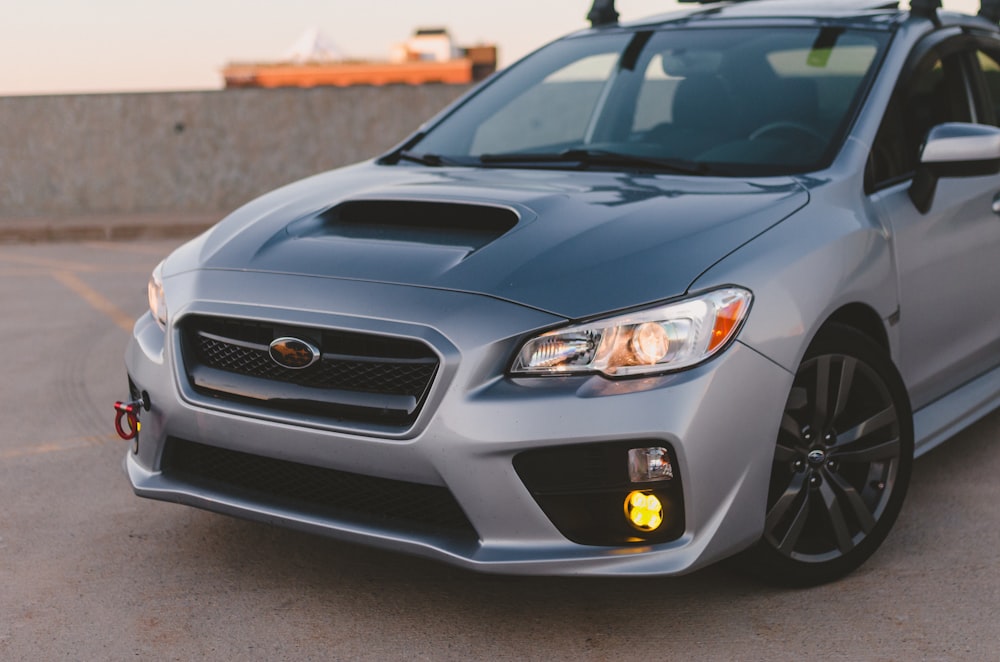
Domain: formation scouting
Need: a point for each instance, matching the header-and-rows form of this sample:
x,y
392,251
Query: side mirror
x,y
954,149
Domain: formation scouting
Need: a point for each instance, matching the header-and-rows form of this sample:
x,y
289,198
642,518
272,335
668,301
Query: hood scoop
x,y
455,225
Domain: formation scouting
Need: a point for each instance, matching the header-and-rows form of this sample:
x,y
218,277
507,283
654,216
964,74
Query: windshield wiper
x,y
433,160
596,157
392,158
405,152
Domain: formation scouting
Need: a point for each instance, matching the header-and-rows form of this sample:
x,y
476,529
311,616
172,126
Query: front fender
x,y
803,270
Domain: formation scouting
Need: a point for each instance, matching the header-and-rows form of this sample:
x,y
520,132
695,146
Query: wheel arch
x,y
861,318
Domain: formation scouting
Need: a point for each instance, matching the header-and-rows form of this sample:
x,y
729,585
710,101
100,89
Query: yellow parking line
x,y
95,299
54,447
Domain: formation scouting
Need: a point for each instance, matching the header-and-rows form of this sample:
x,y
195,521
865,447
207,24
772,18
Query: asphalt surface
x,y
88,571
104,227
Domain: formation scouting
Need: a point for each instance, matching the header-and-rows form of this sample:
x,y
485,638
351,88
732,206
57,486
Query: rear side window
x,y
989,63
936,92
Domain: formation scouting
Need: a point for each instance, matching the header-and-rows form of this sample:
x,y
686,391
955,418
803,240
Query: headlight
x,y
661,339
157,302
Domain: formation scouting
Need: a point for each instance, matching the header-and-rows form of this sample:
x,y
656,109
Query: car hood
x,y
574,244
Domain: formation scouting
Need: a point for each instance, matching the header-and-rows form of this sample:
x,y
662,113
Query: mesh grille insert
x,y
331,371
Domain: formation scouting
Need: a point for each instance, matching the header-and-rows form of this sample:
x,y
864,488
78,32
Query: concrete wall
x,y
191,151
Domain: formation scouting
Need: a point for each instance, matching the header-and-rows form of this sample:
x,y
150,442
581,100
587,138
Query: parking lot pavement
x,y
89,571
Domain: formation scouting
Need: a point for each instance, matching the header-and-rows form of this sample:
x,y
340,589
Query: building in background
x,y
429,56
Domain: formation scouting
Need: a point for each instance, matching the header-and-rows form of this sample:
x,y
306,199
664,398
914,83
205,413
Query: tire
x,y
841,464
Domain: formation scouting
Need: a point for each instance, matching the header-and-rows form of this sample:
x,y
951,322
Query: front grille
x,y
359,377
340,372
317,491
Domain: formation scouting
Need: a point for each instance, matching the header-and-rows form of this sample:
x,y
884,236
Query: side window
x,y
934,93
988,64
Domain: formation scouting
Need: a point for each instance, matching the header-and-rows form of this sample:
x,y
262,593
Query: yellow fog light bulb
x,y
644,511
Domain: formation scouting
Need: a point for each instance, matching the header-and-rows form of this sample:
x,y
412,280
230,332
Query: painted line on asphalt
x,y
95,299
45,448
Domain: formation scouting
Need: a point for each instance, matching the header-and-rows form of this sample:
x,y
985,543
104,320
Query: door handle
x,y
996,204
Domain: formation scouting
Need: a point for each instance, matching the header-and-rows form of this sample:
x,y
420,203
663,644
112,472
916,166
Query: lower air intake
x,y
318,491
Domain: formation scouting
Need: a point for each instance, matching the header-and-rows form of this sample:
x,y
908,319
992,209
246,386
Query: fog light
x,y
649,464
644,511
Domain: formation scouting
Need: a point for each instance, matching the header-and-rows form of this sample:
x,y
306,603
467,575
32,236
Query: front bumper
x,y
720,420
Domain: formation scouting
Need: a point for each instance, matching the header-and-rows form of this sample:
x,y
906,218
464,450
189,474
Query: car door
x,y
947,258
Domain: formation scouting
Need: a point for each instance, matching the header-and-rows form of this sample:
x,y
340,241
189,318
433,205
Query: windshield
x,y
735,101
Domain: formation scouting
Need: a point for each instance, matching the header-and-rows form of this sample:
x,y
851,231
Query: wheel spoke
x,y
837,522
791,538
791,427
783,453
844,387
798,398
853,499
785,501
790,442
821,398
885,417
783,506
886,450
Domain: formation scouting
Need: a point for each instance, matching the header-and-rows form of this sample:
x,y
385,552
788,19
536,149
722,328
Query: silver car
x,y
659,294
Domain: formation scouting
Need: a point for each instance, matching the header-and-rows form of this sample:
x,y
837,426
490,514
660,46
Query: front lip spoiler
x,y
554,557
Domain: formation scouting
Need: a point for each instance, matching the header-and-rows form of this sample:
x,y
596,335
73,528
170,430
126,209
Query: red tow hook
x,y
127,419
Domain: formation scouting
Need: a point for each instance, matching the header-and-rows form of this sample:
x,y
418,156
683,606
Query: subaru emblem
x,y
293,353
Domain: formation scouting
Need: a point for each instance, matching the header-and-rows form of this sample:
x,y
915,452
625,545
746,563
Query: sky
x,y
95,46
